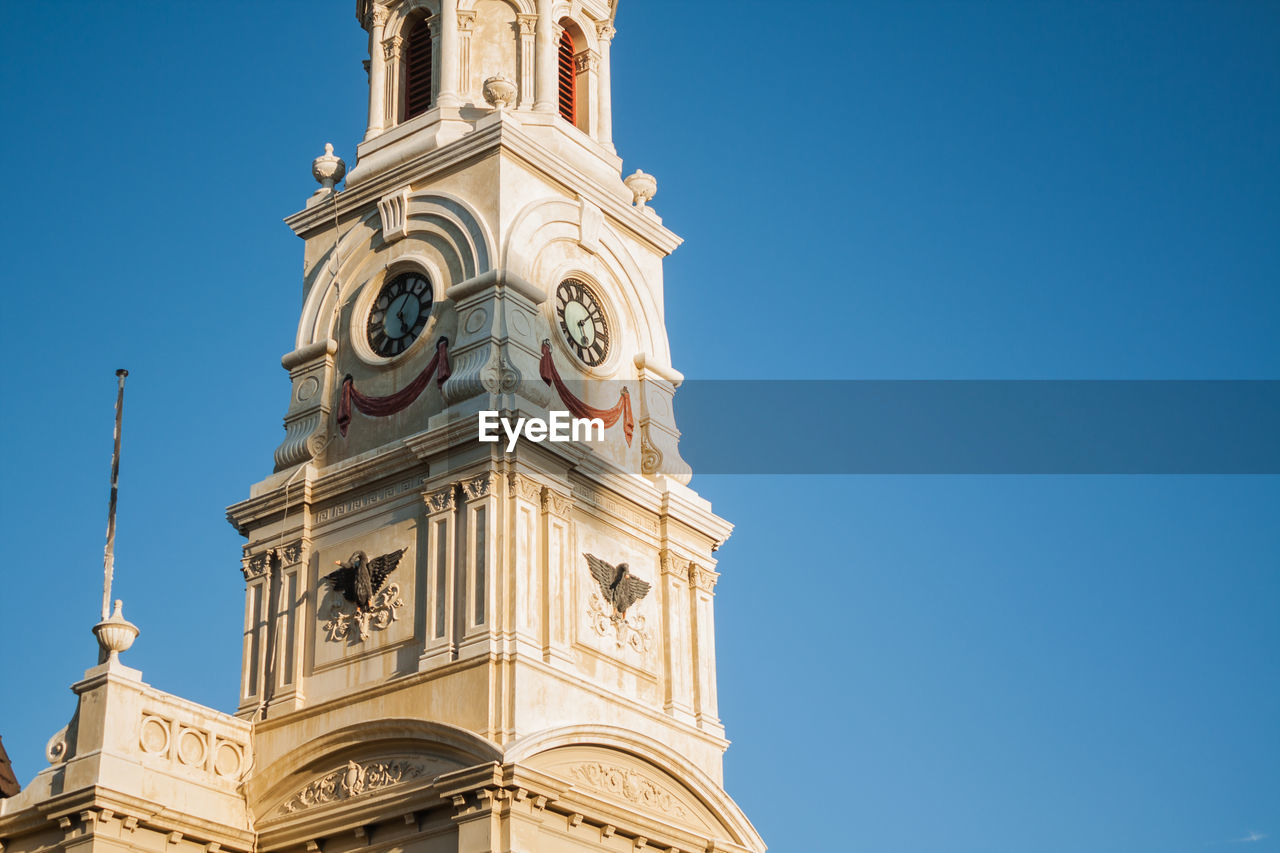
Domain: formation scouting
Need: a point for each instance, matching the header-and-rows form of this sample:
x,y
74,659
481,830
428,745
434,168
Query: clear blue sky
x,y
1048,190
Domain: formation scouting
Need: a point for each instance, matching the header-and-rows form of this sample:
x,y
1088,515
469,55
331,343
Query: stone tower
x,y
436,653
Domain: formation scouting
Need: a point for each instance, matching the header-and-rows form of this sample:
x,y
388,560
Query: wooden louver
x,y
417,71
568,84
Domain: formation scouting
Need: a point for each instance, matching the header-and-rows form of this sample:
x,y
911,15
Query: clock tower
x,y
453,643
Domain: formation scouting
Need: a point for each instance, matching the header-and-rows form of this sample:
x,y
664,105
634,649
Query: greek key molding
x,y
352,781
368,499
616,508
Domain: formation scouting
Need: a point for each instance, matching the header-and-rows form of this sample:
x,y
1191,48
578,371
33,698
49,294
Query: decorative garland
x,y
380,407
580,409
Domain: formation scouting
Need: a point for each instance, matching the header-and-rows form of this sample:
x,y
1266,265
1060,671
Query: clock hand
x,y
404,300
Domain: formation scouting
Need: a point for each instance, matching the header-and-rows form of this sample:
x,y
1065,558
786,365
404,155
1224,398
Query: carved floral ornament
x,y
525,488
441,500
479,487
351,781
628,784
629,631
702,578
554,503
254,566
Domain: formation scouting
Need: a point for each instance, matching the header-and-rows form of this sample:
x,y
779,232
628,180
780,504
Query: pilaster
x,y
442,547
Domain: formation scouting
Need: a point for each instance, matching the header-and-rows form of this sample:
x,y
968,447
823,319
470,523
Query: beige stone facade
x,y
488,697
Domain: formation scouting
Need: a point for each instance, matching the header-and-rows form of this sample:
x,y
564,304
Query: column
x,y
528,24
546,84
377,73
604,99
449,53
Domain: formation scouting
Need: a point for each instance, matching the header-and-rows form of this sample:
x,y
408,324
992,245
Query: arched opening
x,y
568,79
417,70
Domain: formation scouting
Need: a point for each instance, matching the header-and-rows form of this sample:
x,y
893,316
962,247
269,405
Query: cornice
x,y
147,813
484,141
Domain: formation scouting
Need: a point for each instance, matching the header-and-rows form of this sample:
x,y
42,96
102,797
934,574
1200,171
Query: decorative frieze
x,y
629,785
368,499
623,512
187,743
352,781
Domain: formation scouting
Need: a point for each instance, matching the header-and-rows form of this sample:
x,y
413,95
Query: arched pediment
x,y
363,760
543,224
441,225
636,773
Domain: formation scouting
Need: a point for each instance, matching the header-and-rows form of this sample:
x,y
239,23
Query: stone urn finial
x,y
328,169
500,91
643,187
115,634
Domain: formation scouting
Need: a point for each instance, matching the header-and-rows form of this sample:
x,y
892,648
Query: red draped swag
x,y
580,409
380,407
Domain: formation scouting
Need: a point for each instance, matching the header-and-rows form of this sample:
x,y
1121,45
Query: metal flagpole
x,y
109,553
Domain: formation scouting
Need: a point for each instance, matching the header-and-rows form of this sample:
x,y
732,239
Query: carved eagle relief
x,y
617,585
359,578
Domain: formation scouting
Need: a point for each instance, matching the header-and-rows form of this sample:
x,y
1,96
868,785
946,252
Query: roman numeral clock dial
x,y
582,322
399,314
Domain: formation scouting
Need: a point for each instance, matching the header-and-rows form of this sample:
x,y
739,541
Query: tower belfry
x,y
451,643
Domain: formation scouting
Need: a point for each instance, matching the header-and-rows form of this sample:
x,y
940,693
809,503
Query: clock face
x,y
582,321
399,314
